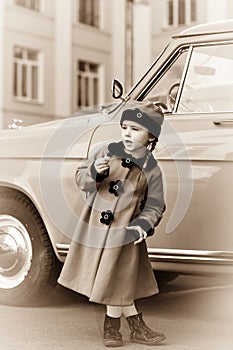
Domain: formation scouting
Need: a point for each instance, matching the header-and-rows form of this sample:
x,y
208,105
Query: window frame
x,y
33,5
161,71
175,8
162,74
88,13
87,95
25,66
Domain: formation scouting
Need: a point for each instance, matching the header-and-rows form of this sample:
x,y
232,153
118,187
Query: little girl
x,y
122,202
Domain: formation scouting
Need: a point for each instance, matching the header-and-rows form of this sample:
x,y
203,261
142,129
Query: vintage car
x,y
192,82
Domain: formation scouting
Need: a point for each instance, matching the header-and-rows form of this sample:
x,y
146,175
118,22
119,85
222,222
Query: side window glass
x,y
166,88
208,85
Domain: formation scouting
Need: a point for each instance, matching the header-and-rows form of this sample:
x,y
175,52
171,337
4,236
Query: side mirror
x,y
116,89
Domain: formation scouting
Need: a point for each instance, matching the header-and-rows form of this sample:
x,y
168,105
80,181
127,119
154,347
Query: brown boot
x,y
142,334
112,335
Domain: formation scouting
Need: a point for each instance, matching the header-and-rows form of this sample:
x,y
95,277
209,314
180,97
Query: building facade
x,y
59,56
172,16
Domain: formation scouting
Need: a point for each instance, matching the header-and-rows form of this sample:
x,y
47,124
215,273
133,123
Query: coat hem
x,y
108,301
122,303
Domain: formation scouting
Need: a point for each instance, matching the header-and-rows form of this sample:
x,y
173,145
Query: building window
x,y
193,11
26,74
87,84
89,12
30,4
129,41
181,12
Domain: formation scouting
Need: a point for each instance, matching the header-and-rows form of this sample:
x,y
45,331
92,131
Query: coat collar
x,y
117,149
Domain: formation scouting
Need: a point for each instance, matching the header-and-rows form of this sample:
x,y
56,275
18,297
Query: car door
x,y
195,150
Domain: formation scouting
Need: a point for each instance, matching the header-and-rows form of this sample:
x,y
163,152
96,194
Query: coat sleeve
x,y
153,205
86,176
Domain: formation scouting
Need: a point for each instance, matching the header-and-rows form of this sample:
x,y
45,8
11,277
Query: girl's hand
x,y
102,164
140,231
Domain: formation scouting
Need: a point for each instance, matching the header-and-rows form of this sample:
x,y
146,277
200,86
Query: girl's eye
x,y
135,129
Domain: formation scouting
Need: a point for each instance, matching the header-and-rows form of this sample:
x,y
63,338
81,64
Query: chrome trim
x,y
182,80
176,255
190,256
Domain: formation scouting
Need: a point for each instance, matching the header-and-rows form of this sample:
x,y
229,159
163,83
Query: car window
x,y
209,81
166,88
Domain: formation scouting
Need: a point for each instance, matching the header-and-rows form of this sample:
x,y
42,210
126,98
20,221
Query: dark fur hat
x,y
149,118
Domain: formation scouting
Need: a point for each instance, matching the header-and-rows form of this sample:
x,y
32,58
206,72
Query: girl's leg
x,y
112,334
114,311
129,310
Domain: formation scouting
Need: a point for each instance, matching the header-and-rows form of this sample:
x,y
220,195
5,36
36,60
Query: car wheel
x,y
28,264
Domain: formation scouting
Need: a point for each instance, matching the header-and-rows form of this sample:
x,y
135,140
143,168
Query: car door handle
x,y
223,122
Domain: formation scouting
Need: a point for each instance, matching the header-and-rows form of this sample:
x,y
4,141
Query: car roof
x,y
207,28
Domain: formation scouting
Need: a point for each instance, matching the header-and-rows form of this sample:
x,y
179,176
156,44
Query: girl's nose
x,y
127,132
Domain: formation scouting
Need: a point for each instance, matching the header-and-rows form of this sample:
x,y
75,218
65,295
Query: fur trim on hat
x,y
149,119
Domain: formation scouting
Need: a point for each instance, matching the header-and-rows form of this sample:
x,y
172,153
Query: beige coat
x,y
103,263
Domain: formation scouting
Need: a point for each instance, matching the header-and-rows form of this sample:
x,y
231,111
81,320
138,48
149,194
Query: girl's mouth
x,y
128,142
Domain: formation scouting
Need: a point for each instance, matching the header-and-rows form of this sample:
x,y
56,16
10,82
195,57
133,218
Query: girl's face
x,y
135,137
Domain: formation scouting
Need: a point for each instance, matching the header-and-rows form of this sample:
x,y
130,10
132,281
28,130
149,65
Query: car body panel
x,y
195,154
24,153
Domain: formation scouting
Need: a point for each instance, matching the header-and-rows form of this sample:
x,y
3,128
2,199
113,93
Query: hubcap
x,y
15,252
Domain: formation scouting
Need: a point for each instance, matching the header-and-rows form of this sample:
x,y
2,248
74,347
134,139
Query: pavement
x,y
194,313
